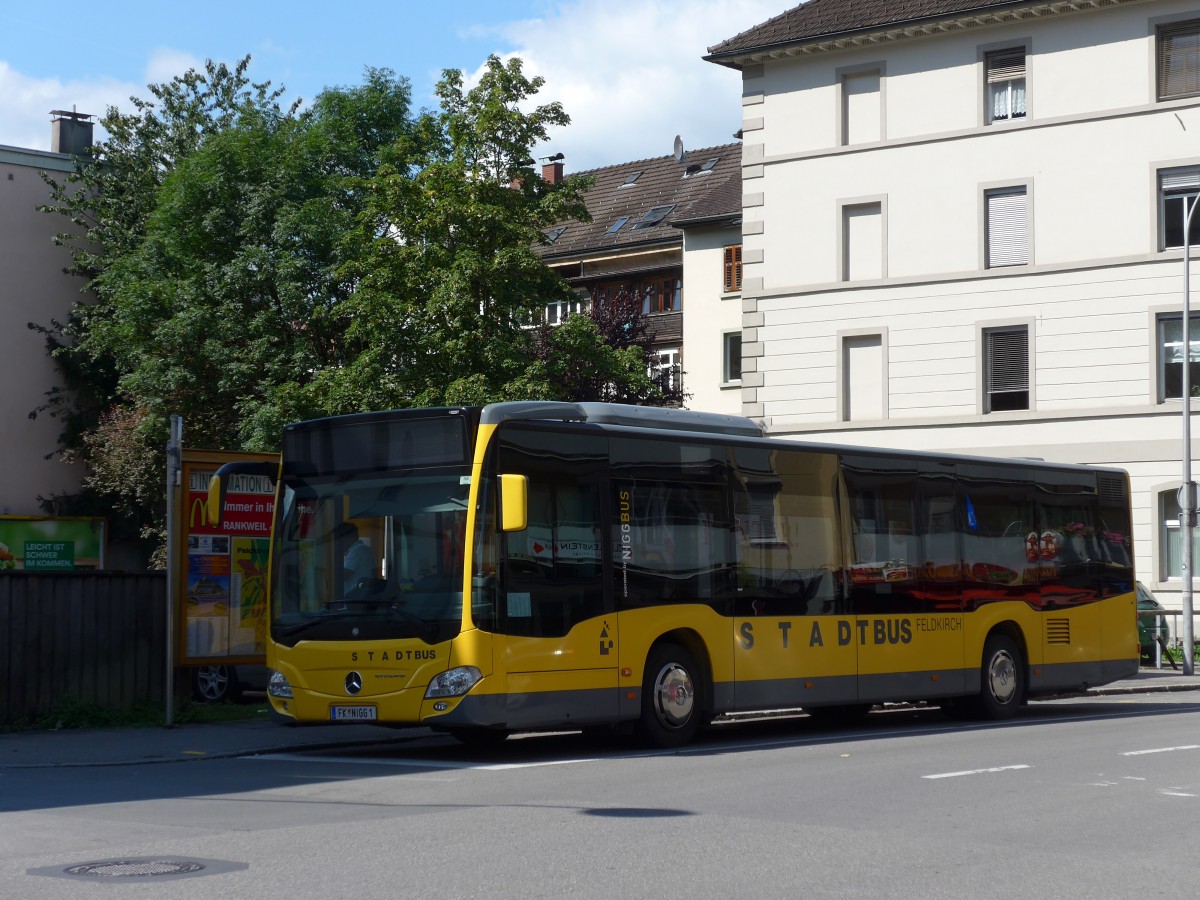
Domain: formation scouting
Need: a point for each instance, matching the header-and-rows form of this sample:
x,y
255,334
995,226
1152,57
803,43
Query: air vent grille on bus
x,y
1112,488
1058,631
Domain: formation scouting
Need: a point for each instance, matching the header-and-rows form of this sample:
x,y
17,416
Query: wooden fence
x,y
96,637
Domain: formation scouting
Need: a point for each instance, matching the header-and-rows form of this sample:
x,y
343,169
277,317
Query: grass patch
x,y
72,713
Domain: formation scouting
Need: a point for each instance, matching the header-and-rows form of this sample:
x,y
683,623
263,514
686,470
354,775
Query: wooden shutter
x,y
1007,228
1179,60
733,268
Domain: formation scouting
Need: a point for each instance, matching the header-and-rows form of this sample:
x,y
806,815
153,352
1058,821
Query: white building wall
x,y
1087,154
709,314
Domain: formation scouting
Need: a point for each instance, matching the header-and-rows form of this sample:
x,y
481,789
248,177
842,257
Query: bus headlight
x,y
278,686
453,683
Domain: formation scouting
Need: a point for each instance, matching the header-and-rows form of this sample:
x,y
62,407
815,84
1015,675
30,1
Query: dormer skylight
x,y
631,179
653,216
616,226
555,233
704,169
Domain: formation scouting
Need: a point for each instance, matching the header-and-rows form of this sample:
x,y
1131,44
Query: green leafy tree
x,y
108,200
211,229
253,265
453,282
603,353
240,284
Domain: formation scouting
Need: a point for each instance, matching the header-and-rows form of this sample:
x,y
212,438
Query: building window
x,y
1170,537
1007,227
863,384
1170,357
862,108
1179,60
653,216
1177,192
665,370
557,312
662,296
1005,77
862,241
1005,369
733,268
731,355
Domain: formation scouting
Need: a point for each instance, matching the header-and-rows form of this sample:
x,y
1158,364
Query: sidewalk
x,y
181,743
132,746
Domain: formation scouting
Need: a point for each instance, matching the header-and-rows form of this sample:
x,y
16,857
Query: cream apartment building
x,y
962,230
666,229
33,288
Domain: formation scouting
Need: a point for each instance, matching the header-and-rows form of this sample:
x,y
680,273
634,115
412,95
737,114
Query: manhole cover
x,y
141,867
126,868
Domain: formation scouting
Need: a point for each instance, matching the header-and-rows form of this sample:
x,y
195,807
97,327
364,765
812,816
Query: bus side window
x,y
672,529
550,572
1071,565
1000,538
786,515
885,554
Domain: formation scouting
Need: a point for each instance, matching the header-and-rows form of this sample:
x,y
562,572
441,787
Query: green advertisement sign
x,y
51,544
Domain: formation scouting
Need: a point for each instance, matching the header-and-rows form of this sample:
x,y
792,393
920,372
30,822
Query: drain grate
x,y
139,868
142,867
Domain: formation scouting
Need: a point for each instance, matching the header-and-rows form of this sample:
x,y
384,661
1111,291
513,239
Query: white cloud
x,y
166,62
631,75
25,104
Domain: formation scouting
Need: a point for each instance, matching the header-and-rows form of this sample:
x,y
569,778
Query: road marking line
x,y
1175,794
1162,750
977,772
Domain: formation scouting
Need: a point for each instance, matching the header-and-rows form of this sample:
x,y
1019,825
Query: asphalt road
x,y
1090,797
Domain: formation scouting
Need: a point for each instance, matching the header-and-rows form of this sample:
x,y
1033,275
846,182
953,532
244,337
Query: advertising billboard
x,y
52,543
223,589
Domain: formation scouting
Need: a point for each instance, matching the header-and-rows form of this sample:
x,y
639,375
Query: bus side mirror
x,y
514,503
218,484
216,499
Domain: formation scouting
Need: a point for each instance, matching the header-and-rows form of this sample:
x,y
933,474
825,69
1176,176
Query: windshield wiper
x,y
427,631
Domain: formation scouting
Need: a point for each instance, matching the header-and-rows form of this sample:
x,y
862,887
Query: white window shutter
x,y
1007,228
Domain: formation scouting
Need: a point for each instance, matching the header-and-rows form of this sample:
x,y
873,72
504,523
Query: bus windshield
x,y
370,557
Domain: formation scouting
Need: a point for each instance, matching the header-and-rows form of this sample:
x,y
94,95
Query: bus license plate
x,y
352,713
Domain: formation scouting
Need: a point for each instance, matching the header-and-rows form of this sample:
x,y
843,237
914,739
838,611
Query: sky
x,y
628,72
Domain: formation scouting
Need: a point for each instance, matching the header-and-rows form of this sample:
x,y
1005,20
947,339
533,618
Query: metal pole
x,y
1187,515
174,470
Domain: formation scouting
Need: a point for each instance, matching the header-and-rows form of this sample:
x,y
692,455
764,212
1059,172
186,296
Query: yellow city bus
x,y
537,565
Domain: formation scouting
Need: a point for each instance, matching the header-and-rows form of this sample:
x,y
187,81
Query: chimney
x,y
70,132
552,169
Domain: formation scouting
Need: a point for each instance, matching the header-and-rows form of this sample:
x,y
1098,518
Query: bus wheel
x,y
479,738
671,695
1003,678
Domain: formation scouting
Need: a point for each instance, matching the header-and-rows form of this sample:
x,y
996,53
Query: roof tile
x,y
692,193
825,18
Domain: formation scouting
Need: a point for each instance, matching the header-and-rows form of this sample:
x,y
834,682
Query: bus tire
x,y
672,692
1003,689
